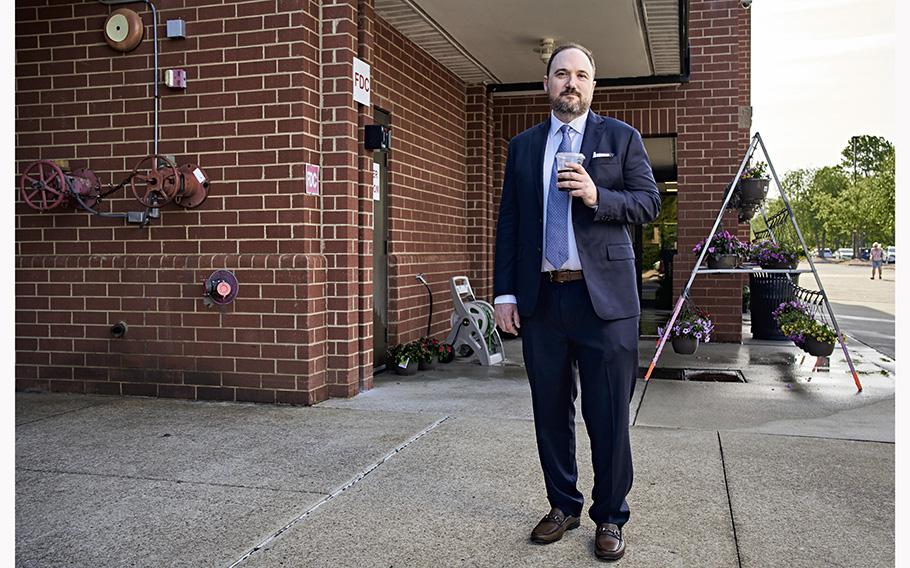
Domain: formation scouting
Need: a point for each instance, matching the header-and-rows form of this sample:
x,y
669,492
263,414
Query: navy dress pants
x,y
565,333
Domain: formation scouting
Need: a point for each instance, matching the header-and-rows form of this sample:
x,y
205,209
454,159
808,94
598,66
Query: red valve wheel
x,y
43,185
158,186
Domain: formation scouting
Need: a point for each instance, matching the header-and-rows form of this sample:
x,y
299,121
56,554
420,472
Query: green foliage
x,y
832,209
820,331
868,153
404,353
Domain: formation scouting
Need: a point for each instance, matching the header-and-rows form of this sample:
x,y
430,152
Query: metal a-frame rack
x,y
819,297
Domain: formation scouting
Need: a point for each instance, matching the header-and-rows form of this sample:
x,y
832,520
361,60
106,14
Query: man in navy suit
x,y
565,273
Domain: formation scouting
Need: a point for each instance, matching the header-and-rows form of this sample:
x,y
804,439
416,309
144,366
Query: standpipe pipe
x,y
430,292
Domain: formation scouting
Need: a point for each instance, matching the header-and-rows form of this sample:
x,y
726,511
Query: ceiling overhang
x,y
634,42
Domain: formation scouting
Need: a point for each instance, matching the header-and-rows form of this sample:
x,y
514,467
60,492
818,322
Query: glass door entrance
x,y
655,242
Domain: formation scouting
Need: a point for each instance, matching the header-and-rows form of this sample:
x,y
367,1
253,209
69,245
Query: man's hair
x,y
566,46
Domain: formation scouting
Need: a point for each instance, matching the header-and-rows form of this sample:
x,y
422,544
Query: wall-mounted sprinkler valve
x,y
155,181
220,288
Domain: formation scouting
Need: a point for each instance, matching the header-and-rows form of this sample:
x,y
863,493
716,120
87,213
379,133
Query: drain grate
x,y
698,375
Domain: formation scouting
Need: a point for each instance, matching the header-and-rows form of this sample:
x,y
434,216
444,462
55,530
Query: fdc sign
x,y
361,82
312,179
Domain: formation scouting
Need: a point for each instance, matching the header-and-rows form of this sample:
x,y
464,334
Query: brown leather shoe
x,y
608,542
553,526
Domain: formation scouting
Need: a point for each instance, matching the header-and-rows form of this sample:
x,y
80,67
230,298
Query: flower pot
x,y
746,212
425,365
411,369
723,261
752,191
818,349
447,357
685,344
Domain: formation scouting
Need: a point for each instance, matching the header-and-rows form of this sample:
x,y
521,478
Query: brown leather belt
x,y
563,276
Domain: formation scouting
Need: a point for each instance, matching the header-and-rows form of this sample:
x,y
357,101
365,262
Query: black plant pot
x,y
426,365
818,349
685,344
719,261
411,369
752,191
447,357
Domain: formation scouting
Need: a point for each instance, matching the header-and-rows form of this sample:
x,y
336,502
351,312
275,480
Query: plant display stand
x,y
473,325
814,300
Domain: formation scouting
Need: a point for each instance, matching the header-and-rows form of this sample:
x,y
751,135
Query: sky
x,y
822,71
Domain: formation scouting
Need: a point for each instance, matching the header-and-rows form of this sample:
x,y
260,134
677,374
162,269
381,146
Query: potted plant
x,y
404,358
771,255
446,353
753,184
428,351
724,250
819,338
792,319
693,325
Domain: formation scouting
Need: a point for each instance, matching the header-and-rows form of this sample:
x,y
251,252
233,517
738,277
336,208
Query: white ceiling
x,y
495,40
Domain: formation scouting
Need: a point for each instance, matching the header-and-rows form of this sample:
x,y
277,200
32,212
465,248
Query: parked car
x,y
844,253
890,253
822,253
864,253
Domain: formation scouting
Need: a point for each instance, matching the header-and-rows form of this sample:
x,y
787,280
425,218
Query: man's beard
x,y
576,107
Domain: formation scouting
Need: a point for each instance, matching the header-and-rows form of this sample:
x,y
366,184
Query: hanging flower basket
x,y
692,327
752,191
753,184
685,344
817,348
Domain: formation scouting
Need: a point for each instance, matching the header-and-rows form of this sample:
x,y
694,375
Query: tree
x,y
865,155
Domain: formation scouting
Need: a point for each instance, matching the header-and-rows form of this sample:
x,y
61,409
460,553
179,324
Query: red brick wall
x,y
428,183
704,115
249,117
266,94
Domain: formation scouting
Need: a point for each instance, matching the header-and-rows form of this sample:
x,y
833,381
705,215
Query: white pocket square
x,y
602,155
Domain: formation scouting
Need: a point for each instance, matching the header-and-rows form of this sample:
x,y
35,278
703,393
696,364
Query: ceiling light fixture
x,y
547,45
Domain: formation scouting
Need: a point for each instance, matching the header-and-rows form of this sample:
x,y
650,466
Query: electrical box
x,y
175,78
176,29
377,137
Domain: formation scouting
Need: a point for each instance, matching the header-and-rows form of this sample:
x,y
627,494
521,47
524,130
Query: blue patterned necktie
x,y
557,245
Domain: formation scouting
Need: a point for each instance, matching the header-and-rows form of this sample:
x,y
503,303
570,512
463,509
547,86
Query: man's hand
x,y
579,184
507,317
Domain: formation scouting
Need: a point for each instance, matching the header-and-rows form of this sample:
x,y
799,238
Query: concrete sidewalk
x,y
791,468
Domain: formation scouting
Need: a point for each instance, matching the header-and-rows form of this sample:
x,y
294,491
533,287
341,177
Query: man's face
x,y
570,85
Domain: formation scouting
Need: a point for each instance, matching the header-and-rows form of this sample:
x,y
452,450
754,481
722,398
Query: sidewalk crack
x,y
723,465
344,487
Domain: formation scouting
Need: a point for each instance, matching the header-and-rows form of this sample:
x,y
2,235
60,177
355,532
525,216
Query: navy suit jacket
x,y
627,194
